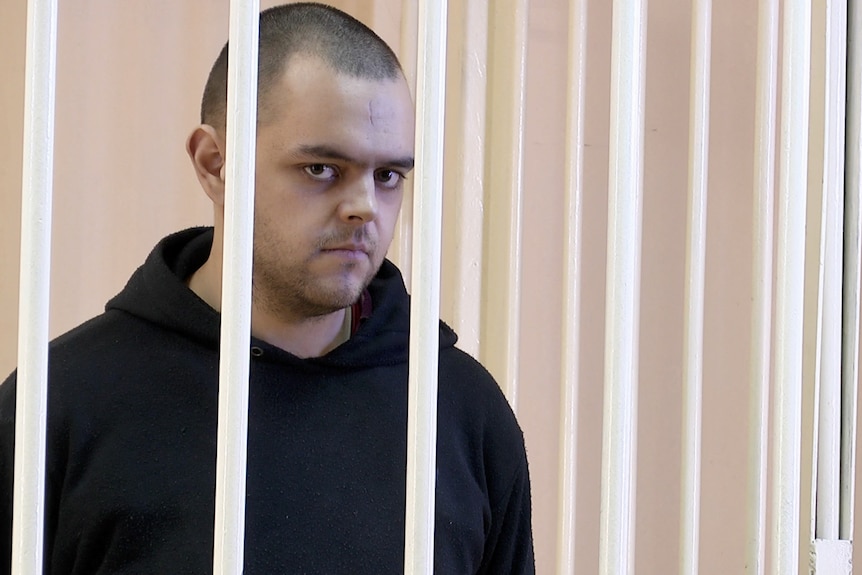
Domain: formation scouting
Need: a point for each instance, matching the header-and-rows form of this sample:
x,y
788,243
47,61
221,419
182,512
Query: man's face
x,y
332,154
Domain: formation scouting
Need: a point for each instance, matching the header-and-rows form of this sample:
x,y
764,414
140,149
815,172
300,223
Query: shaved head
x,y
307,28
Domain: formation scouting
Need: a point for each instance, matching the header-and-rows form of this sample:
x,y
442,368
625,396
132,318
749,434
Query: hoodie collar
x,y
157,293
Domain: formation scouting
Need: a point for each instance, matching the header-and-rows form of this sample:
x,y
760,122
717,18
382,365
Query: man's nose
x,y
359,204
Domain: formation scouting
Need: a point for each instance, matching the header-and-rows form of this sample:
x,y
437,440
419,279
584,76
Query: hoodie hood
x,y
157,293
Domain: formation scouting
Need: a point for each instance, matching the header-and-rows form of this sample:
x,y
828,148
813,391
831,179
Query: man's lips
x,y
348,250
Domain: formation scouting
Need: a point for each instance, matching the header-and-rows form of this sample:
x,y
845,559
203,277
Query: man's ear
x,y
205,148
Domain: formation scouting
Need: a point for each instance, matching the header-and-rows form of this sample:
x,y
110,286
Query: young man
x,y
133,392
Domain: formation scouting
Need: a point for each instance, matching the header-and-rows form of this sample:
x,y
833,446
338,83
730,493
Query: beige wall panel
x,y
13,23
129,79
593,272
666,157
727,334
542,268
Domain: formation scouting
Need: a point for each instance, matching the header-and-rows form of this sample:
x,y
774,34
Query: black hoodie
x,y
132,441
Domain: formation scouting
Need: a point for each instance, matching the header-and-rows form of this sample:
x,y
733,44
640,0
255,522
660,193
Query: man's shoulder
x,y
85,338
476,423
106,330
471,393
466,372
102,348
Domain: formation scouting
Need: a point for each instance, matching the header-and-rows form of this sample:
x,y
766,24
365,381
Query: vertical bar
x,y
504,177
572,285
425,303
625,215
829,420
465,164
761,320
852,263
793,170
831,557
695,277
236,288
32,396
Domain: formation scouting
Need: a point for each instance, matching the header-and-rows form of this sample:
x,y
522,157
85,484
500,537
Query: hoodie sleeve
x,y
509,546
7,467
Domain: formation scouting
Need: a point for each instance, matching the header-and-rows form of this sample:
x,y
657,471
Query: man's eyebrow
x,y
321,151
405,162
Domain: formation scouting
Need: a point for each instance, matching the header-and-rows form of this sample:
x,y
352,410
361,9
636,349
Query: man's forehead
x,y
317,89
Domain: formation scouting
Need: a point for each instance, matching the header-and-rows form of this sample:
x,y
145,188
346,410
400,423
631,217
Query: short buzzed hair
x,y
307,28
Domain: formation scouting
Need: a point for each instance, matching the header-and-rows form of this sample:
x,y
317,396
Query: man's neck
x,y
312,337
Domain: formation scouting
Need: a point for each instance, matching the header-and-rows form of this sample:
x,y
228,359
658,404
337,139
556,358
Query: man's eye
x,y
388,178
322,172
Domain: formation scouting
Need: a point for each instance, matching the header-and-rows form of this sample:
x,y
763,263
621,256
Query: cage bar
x,y
465,171
695,279
829,420
28,529
236,288
625,215
504,186
793,179
425,301
576,88
852,261
761,319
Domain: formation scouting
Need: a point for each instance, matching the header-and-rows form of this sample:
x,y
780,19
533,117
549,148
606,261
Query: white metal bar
x,y
695,278
236,288
576,88
813,294
761,321
831,557
625,214
465,171
829,420
425,303
32,395
793,170
503,193
852,263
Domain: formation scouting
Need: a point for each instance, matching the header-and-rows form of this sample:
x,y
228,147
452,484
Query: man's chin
x,y
344,287
341,296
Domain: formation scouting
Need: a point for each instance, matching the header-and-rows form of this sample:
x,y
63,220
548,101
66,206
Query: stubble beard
x,y
293,292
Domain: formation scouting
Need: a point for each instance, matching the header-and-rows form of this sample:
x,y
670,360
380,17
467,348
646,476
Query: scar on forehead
x,y
377,111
